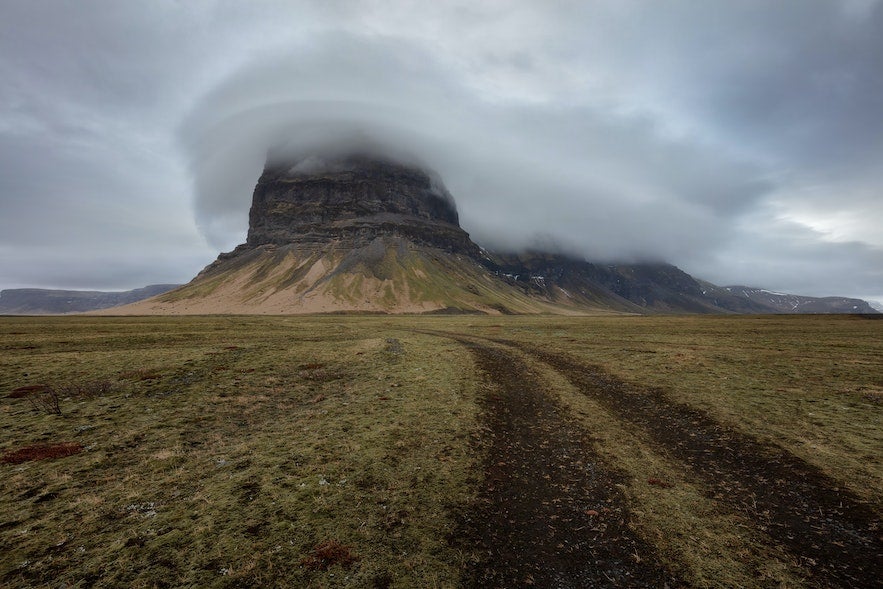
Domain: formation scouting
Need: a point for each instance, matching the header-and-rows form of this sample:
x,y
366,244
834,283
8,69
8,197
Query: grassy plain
x,y
345,450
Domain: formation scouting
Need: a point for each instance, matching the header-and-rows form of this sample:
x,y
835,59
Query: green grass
x,y
216,466
230,447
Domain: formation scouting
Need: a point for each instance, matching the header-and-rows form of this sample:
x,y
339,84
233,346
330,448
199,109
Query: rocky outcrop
x,y
353,200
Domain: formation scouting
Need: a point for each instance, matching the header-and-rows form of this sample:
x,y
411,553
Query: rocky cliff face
x,y
352,199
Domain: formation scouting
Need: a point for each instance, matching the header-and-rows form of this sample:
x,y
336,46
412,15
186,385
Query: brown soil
x,y
831,533
41,452
22,392
327,554
548,513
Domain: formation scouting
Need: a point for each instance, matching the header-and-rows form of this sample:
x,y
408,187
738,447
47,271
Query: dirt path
x,y
830,532
548,513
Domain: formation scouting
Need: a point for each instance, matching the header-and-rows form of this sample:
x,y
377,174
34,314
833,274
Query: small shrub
x,y
46,400
41,452
86,390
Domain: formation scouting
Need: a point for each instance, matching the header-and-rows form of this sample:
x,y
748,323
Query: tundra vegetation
x,y
441,451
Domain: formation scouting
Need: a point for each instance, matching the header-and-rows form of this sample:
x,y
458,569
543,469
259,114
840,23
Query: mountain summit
x,y
361,233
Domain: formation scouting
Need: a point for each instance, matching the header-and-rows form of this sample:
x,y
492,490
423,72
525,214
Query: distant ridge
x,y
778,302
39,301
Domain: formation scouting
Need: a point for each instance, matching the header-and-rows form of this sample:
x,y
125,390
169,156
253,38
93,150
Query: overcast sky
x,y
741,141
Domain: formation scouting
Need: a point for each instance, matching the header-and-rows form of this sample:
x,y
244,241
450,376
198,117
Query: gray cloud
x,y
787,256
742,141
606,185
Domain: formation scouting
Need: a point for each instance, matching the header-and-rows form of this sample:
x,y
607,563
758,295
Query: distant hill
x,y
740,298
651,288
38,301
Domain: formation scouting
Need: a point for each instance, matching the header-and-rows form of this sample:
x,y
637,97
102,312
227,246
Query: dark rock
x,y
353,199
645,286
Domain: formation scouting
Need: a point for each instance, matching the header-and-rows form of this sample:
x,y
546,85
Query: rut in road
x,y
832,534
548,513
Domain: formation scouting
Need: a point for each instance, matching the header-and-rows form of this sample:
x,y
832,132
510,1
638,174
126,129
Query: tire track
x,y
548,513
831,533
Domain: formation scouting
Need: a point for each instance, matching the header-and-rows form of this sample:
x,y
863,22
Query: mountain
x,y
352,234
778,302
625,287
360,233
38,301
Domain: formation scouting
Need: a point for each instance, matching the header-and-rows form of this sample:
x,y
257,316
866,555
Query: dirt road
x,y
549,513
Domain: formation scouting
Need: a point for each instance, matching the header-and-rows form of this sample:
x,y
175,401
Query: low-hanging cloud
x,y
598,184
